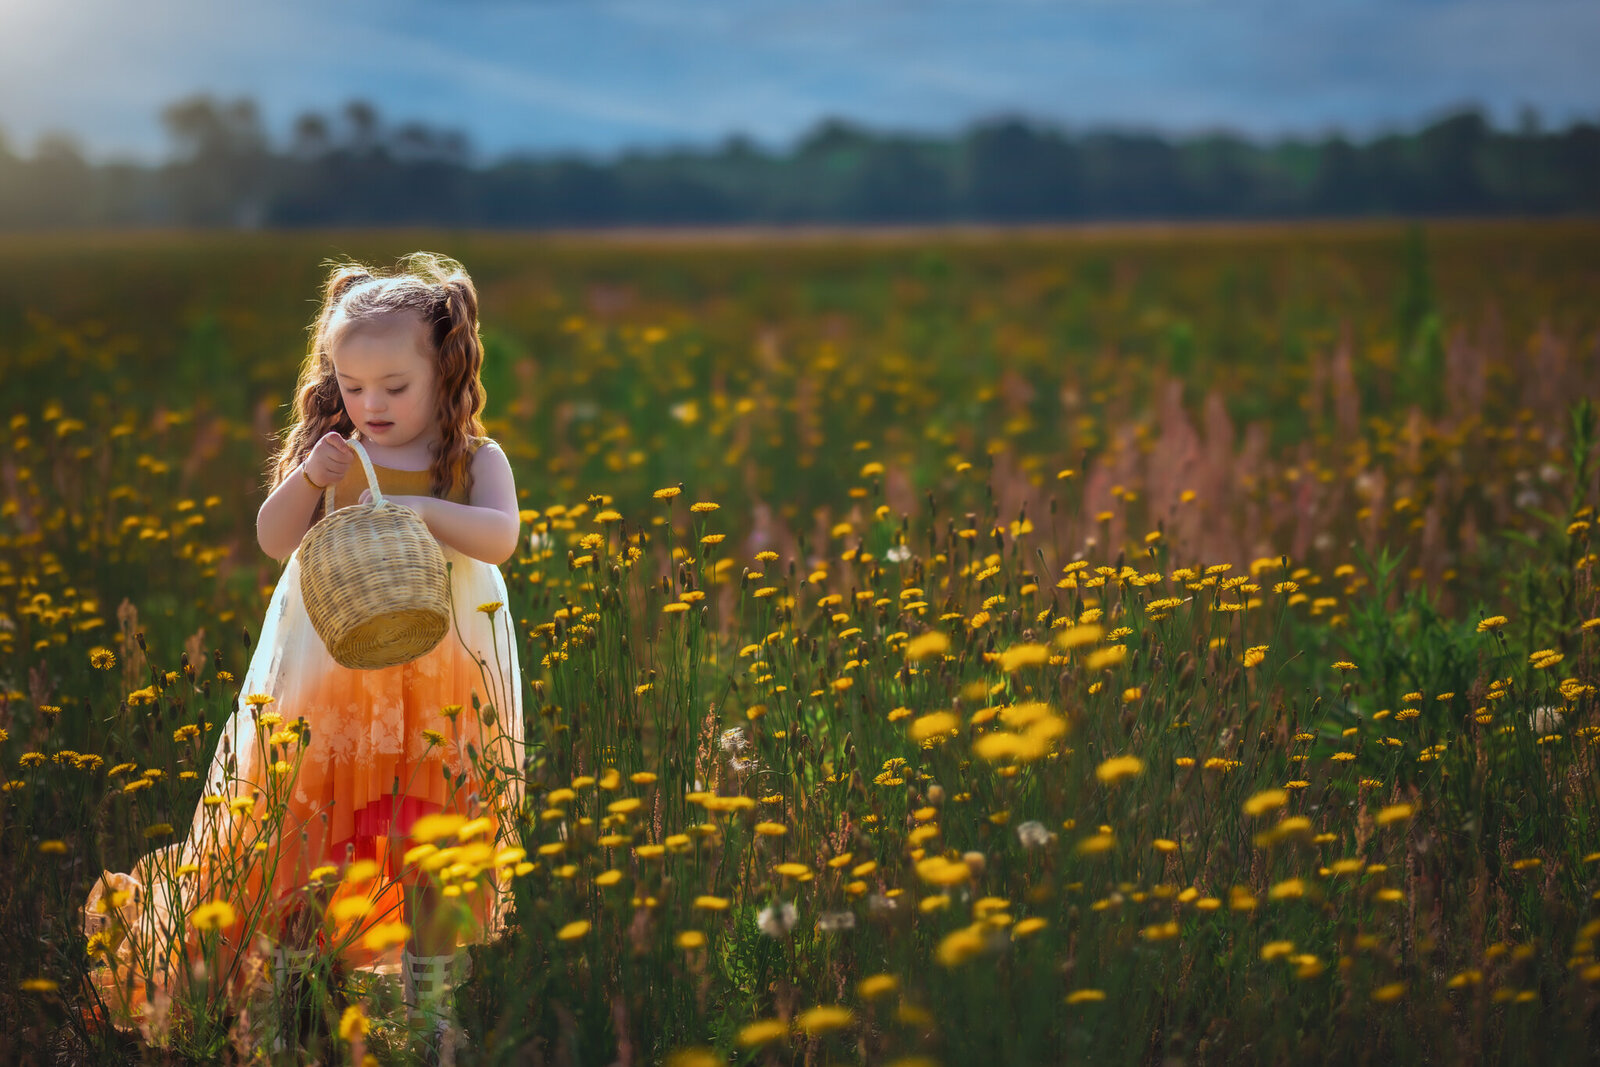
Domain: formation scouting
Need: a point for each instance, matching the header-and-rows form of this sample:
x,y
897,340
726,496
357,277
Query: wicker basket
x,y
374,581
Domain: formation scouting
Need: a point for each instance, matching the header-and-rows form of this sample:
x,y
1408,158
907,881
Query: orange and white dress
x,y
378,749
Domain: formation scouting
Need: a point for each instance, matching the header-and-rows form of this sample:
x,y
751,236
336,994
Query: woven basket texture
x,y
373,580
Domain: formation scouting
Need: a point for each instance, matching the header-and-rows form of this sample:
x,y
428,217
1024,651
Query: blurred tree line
x,y
352,168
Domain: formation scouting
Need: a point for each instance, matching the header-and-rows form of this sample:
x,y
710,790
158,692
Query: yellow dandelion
x,y
1114,656
704,507
938,725
434,826
1002,745
1276,949
1020,656
1086,996
930,645
385,936
573,930
1097,843
362,870
1289,889
213,915
349,909
1079,636
937,870
1306,966
960,946
1117,768
1394,813
1028,927
824,1019
354,1023
1265,801
877,985
761,1032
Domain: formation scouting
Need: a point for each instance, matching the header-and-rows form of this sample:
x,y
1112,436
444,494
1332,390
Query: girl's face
x,y
386,377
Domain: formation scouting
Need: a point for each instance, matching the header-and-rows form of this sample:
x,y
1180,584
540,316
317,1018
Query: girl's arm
x,y
285,515
489,527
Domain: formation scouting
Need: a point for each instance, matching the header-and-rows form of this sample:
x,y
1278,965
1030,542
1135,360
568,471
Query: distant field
x,y
1120,688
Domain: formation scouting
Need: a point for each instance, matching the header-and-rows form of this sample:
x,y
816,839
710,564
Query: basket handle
x,y
372,478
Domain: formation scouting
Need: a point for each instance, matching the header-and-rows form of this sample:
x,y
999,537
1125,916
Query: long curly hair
x,y
432,286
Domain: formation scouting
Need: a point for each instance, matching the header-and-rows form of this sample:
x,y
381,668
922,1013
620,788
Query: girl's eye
x,y
353,392
396,392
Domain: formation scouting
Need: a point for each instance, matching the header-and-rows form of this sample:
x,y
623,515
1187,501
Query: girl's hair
x,y
432,286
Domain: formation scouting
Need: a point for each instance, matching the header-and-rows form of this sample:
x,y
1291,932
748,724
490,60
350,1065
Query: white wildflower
x,y
1545,720
776,920
833,922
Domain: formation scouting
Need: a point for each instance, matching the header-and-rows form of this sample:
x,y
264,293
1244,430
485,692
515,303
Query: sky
x,y
600,76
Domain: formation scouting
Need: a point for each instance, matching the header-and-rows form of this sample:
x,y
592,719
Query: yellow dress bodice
x,y
393,482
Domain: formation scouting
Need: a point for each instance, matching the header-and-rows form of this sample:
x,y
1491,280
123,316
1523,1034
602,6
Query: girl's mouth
x,y
379,426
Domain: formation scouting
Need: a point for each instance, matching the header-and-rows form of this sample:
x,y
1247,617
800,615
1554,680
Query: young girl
x,y
352,759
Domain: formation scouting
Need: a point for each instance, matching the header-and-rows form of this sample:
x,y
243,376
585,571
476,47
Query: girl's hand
x,y
329,459
419,504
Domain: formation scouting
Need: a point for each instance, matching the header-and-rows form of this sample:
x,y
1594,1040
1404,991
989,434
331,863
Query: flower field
x,y
1127,646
